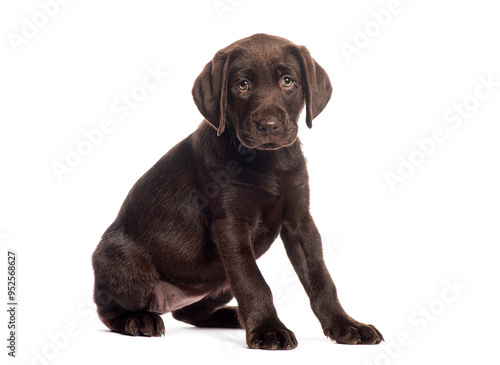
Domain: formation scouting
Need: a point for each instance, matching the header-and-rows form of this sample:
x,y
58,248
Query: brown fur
x,y
189,232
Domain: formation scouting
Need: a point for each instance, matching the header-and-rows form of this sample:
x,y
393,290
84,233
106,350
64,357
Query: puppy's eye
x,y
287,82
243,85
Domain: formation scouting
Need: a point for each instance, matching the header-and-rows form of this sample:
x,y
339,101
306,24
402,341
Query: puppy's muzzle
x,y
270,124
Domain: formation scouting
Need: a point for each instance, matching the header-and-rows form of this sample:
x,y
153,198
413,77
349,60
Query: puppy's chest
x,y
260,198
265,233
267,229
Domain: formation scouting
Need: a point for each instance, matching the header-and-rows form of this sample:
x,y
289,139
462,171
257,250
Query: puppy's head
x,y
258,87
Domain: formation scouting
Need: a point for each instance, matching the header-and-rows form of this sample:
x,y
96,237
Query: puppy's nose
x,y
268,126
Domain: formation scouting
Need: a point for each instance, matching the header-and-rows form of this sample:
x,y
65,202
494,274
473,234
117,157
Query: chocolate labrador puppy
x,y
188,234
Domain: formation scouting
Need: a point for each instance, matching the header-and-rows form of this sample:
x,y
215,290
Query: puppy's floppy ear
x,y
210,91
316,85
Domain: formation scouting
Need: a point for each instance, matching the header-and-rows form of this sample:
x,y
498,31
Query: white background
x,y
392,254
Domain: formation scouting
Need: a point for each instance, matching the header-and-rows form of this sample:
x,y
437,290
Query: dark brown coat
x,y
188,234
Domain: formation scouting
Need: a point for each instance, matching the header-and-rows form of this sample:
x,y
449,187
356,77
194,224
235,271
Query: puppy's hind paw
x,y
144,324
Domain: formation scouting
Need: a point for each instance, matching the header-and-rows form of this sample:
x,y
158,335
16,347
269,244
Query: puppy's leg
x,y
210,312
303,246
124,281
257,314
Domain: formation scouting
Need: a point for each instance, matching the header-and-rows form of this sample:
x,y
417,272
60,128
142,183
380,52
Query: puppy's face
x,y
265,98
258,87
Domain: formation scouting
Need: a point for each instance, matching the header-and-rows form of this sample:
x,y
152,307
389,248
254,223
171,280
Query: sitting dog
x,y
188,235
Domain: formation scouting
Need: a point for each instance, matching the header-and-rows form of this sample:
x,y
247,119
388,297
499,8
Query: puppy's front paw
x,y
271,337
348,331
